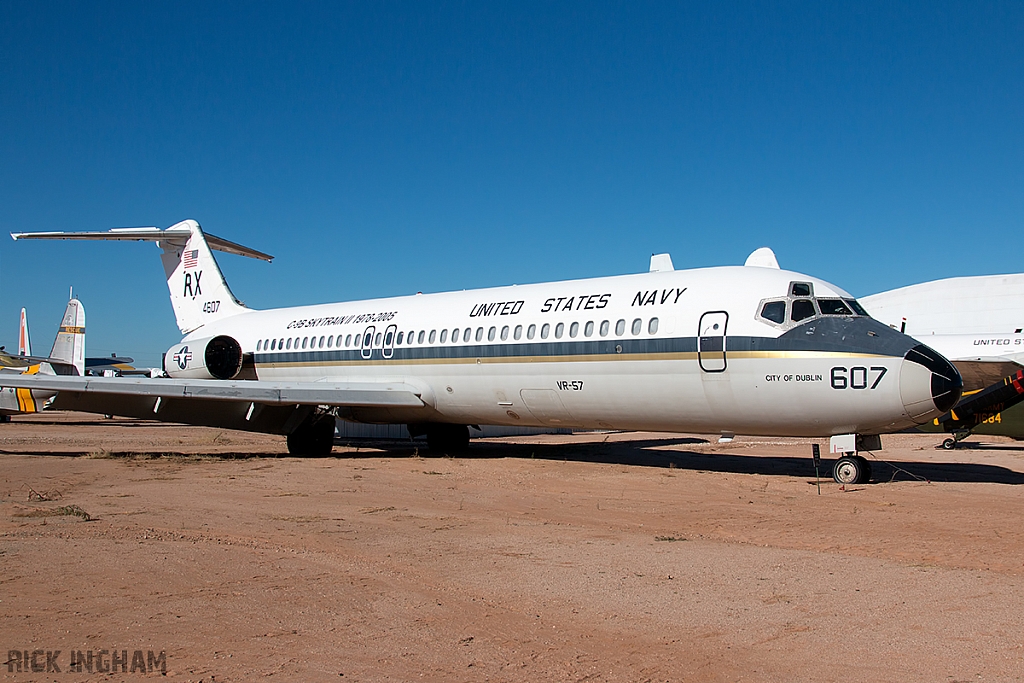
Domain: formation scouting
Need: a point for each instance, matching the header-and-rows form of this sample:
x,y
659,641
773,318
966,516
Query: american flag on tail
x,y
190,259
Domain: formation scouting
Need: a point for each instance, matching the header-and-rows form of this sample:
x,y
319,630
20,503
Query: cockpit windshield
x,y
801,307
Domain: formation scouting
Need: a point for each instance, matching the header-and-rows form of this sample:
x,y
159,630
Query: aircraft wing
x,y
983,371
356,394
249,405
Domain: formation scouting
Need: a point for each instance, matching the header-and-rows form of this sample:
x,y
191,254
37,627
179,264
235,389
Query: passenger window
x,y
637,326
273,345
322,342
545,330
652,327
559,329
504,333
574,329
774,311
304,340
479,334
432,337
620,328
833,307
801,289
387,338
854,304
401,337
259,344
490,333
330,342
348,340
802,309
455,336
588,331
376,340
444,336
605,326
421,336
518,334
467,333
531,331
289,346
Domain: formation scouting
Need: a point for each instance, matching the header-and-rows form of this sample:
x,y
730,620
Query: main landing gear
x,y
314,436
851,467
442,438
446,438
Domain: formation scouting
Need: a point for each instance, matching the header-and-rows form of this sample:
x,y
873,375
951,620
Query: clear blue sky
x,y
388,148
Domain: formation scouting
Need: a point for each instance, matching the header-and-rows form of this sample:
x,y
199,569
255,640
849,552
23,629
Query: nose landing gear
x,y
958,436
852,469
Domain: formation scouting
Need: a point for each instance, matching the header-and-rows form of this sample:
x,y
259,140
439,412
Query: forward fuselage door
x,y
711,341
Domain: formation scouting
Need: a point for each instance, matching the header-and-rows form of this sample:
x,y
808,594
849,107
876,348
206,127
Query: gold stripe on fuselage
x,y
582,358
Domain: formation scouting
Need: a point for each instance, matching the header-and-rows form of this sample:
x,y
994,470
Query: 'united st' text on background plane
x,y
735,350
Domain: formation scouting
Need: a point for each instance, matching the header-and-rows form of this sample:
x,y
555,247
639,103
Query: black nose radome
x,y
947,384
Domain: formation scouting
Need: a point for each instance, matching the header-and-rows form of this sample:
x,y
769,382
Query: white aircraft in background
x,y
736,350
67,357
975,322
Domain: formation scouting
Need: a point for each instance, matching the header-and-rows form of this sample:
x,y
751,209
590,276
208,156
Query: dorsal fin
x,y
762,258
661,263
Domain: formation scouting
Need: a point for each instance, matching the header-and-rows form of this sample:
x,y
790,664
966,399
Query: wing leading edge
x,y
352,394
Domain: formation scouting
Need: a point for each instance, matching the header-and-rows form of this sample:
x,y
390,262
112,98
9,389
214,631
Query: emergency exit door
x,y
711,341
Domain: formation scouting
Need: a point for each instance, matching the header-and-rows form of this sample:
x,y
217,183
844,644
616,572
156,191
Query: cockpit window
x,y
802,309
855,305
774,311
833,307
800,289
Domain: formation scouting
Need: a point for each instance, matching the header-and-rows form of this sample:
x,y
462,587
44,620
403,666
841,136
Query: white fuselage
x,y
671,351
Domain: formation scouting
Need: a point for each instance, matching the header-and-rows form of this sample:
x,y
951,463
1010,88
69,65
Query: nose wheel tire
x,y
852,469
949,444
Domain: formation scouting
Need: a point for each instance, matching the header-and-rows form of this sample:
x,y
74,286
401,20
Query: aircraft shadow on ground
x,y
653,453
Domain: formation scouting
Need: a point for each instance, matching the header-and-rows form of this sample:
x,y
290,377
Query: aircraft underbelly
x,y
753,396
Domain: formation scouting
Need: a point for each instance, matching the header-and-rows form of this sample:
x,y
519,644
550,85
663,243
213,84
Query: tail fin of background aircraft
x,y
69,346
24,345
199,293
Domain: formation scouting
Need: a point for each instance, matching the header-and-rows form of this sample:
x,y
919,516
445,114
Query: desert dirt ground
x,y
591,557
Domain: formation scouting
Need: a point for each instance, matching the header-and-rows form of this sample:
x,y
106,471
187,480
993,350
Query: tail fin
x,y
69,346
24,345
199,293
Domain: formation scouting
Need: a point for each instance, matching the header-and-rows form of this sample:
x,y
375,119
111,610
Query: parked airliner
x,y
734,350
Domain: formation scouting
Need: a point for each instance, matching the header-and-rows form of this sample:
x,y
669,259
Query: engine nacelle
x,y
212,358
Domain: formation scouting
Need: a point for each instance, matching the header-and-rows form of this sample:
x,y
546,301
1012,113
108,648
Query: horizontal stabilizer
x,y
170,235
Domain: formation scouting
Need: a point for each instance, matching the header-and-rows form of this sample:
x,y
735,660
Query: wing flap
x,y
354,394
